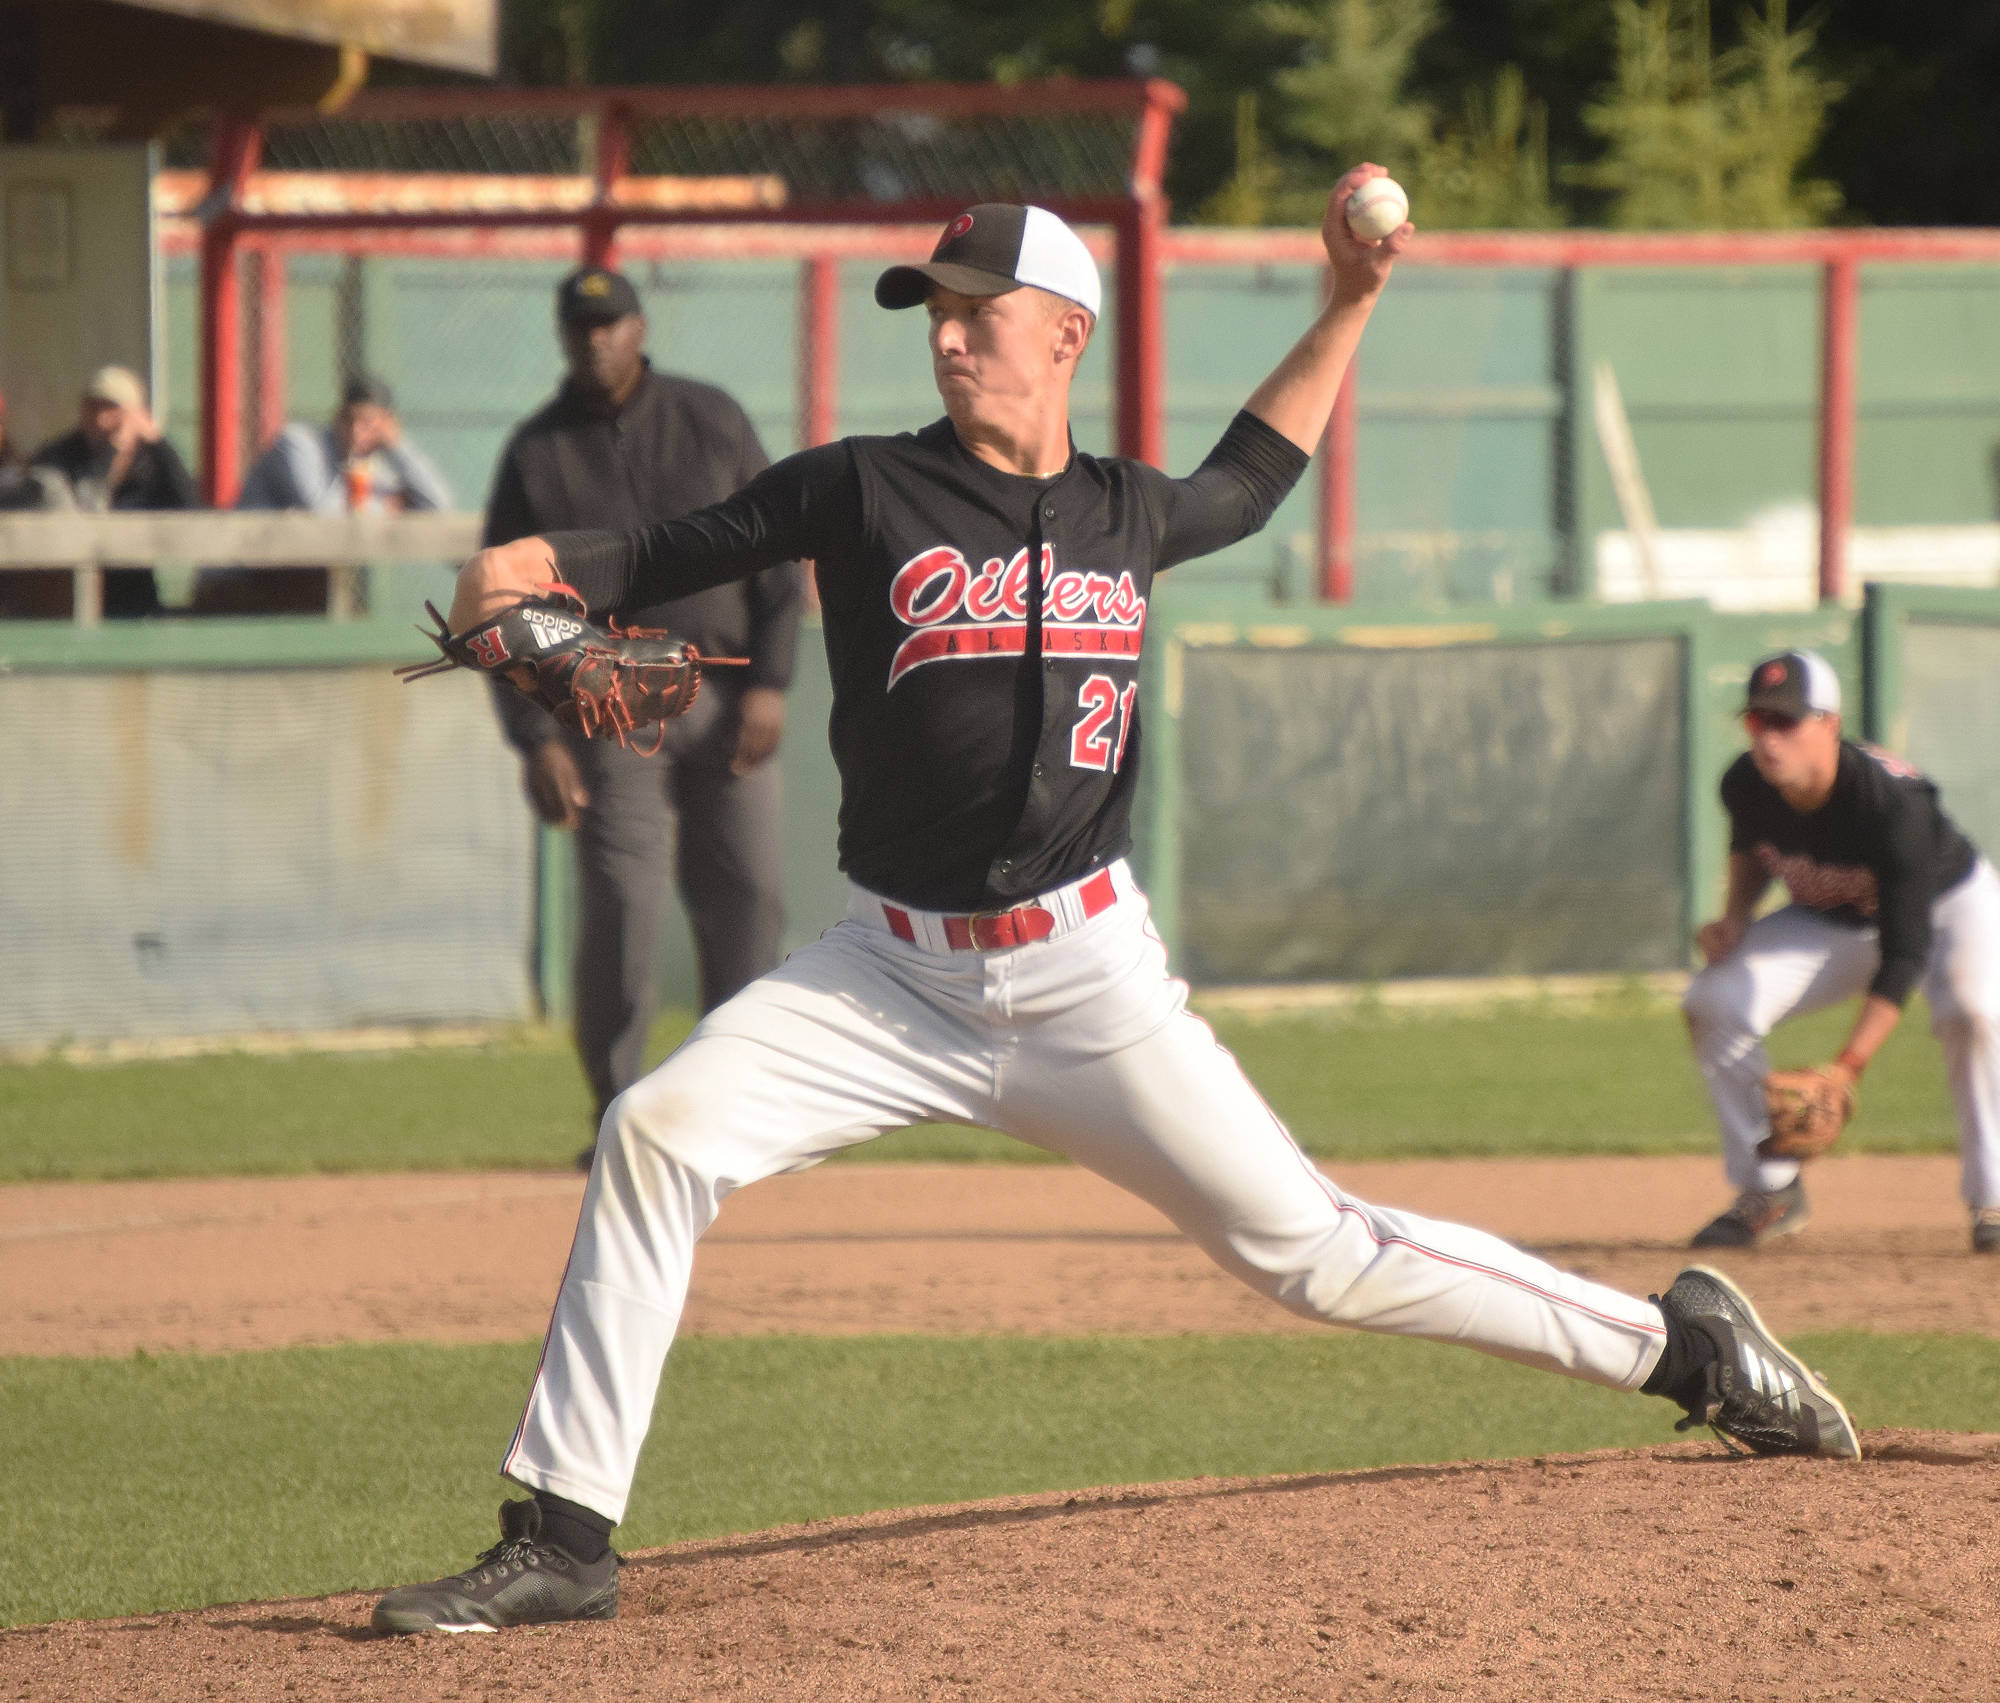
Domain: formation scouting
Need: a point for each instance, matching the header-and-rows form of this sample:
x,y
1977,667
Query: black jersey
x,y
1875,854
985,721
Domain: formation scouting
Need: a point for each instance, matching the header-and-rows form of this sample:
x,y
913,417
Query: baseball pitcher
x,y
985,589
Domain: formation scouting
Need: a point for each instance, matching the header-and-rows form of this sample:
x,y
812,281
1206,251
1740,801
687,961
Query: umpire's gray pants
x,y
677,818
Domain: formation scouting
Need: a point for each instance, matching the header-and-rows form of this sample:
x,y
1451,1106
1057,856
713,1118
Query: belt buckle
x,y
996,931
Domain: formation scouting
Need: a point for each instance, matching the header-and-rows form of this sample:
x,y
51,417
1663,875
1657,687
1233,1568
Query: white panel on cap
x,y
1053,258
1822,684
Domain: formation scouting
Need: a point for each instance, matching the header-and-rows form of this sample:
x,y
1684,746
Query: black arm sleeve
x,y
776,595
1231,494
1741,837
809,504
1903,880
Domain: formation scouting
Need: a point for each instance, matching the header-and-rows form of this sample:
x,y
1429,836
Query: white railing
x,y
87,544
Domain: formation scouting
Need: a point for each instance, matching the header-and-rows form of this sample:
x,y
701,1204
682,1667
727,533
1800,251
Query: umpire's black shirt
x,y
984,719
673,446
1875,854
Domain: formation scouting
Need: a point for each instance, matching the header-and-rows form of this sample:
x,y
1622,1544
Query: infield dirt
x,y
239,1263
1668,1573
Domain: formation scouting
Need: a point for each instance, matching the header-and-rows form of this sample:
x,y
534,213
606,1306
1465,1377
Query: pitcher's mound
x,y
1675,1572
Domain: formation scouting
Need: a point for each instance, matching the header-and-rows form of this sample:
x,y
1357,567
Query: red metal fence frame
x,y
1138,217
1839,254
1142,248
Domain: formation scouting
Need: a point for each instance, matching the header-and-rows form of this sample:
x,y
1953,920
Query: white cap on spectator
x,y
118,385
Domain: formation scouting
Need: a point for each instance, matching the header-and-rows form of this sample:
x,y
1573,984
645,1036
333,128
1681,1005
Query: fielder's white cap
x,y
996,247
1795,683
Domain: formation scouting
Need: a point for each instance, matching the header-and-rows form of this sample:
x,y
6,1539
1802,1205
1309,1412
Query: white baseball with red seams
x,y
1378,207
1080,1043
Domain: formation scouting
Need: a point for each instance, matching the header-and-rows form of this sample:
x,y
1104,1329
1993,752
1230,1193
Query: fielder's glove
x,y
1808,1109
605,682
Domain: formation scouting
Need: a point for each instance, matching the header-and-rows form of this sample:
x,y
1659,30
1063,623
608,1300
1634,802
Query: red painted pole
x,y
1141,333
1839,303
1336,495
1141,230
819,365
819,348
233,149
272,350
614,155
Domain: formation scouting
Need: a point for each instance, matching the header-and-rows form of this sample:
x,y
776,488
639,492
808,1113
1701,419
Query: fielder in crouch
x,y
985,590
1886,895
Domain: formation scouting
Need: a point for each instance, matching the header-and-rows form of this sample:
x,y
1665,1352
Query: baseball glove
x,y
1808,1109
605,682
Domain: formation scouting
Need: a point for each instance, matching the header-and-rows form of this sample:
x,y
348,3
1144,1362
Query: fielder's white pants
x,y
1794,961
1080,1044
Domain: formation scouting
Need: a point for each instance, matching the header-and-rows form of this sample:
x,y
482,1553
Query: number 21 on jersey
x,y
1094,743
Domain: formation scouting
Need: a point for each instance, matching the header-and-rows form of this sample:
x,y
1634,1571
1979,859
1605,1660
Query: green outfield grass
x,y
152,1483
1612,1076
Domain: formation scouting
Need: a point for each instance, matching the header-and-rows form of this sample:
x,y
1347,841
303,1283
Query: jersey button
x,y
1038,771
1048,514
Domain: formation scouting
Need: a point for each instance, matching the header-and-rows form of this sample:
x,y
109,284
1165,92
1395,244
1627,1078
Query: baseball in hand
x,y
1378,207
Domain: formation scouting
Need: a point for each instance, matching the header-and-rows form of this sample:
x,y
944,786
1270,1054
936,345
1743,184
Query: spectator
x,y
23,487
361,462
118,458
621,445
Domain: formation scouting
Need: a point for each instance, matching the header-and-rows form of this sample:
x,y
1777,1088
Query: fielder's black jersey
x,y
985,718
1875,854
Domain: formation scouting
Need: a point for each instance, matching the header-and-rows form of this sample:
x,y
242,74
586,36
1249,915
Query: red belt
x,y
998,931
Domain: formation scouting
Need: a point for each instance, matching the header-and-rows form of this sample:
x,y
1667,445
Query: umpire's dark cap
x,y
996,247
1796,683
595,295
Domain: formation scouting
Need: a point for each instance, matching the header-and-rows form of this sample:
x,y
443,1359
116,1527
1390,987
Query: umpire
x,y
622,446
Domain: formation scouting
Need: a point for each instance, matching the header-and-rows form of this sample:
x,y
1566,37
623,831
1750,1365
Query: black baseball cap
x,y
996,247
595,295
1795,683
364,389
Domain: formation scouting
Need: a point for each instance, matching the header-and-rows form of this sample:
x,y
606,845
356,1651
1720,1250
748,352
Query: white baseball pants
x,y
1080,1044
1794,961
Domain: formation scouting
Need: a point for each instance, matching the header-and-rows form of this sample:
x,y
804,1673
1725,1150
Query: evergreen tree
x,y
1491,171
1696,141
1345,99
1349,99
1246,197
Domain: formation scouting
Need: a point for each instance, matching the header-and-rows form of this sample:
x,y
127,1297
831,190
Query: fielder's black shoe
x,y
520,1581
1986,1230
1756,1216
1754,1390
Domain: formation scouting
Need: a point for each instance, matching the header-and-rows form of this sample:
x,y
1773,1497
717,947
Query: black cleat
x,y
1754,1390
1755,1216
520,1581
1986,1230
